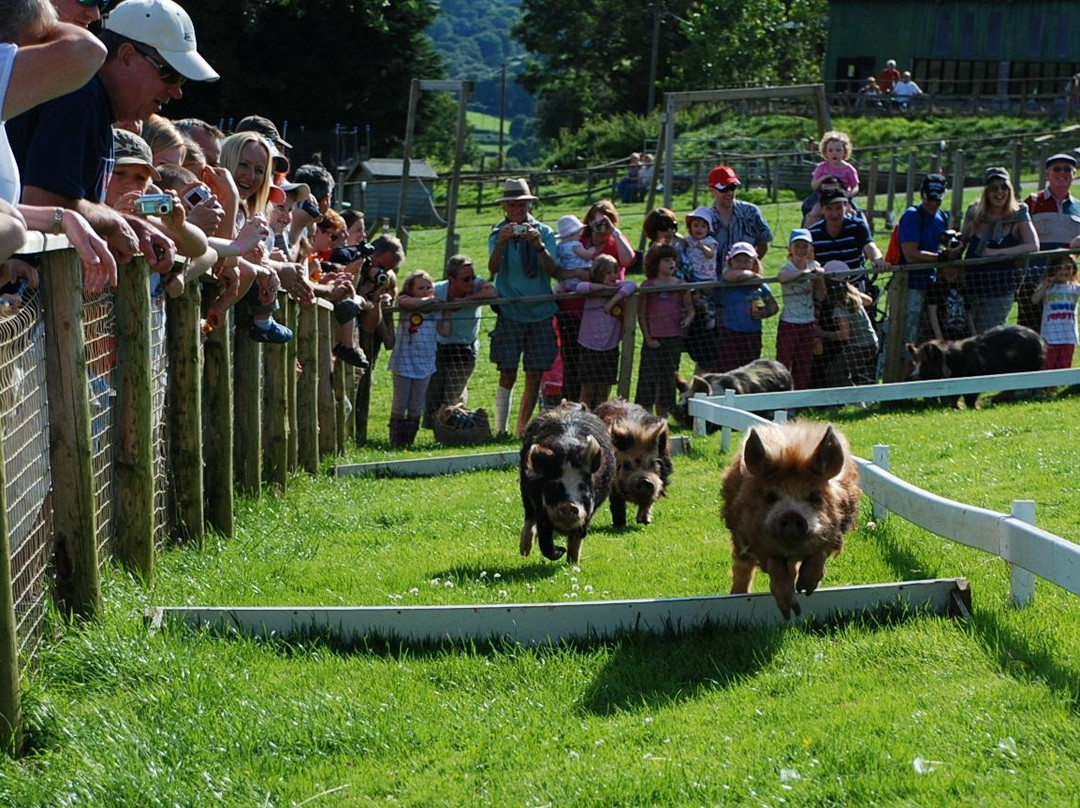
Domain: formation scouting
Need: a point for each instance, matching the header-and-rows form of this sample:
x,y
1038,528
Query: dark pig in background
x,y
1001,349
759,376
790,497
642,458
566,467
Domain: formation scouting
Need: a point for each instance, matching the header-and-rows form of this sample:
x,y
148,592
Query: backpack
x,y
894,256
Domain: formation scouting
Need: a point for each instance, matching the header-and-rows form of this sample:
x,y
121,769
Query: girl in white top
x,y
413,359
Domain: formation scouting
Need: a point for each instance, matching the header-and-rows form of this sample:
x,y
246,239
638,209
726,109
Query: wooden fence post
x,y
629,333
247,402
327,416
133,516
338,379
78,580
10,696
871,190
959,168
217,407
1021,581
912,170
895,337
307,390
184,410
890,209
1018,168
292,307
275,432
362,402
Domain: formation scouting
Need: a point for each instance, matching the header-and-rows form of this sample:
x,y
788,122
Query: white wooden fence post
x,y
700,430
881,460
779,417
1022,582
725,432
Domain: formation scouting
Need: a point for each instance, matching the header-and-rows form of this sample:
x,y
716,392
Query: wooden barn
x,y
957,47
374,186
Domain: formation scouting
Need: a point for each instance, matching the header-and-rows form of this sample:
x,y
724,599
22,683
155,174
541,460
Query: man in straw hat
x,y
521,253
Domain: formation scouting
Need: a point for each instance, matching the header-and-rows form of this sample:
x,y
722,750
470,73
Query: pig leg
x,y
782,585
644,514
811,572
528,533
618,510
573,546
546,536
742,575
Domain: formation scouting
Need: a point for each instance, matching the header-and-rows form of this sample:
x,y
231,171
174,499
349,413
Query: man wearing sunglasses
x,y
65,147
1055,212
80,12
732,219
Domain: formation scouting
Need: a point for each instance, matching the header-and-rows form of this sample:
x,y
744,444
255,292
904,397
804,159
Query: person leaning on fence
x,y
947,307
521,259
376,281
330,270
601,329
1057,295
841,236
1055,213
457,336
996,225
745,305
64,147
852,333
663,317
801,285
573,262
919,235
413,359
40,59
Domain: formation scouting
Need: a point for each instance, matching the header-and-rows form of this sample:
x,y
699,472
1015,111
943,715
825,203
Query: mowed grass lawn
x,y
915,710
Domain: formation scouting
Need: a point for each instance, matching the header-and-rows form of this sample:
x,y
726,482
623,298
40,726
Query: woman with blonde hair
x,y
164,140
997,225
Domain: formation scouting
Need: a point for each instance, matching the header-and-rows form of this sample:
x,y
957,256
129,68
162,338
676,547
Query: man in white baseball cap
x,y
65,147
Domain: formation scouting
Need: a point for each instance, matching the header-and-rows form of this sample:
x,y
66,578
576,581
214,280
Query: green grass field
x,y
913,710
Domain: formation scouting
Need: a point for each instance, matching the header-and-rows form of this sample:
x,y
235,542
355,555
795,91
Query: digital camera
x,y
195,196
154,205
520,230
950,240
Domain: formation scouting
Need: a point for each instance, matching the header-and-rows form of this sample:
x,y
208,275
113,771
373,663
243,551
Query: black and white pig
x,y
642,458
566,468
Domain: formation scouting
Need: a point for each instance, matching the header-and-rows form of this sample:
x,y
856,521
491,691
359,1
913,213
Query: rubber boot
x,y
397,432
412,426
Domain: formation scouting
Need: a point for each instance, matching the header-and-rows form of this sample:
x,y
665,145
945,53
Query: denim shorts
x,y
512,339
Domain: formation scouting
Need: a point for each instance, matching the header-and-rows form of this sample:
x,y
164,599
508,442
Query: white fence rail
x,y
1013,537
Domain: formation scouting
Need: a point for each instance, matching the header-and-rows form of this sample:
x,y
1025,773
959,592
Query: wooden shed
x,y
960,47
374,186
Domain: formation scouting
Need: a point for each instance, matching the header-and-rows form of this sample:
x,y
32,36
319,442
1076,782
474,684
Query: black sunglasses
x,y
103,5
166,72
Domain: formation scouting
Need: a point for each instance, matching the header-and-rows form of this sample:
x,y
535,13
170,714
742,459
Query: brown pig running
x,y
642,458
789,499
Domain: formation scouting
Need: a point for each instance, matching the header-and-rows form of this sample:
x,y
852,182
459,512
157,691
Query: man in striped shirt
x,y
1055,212
843,237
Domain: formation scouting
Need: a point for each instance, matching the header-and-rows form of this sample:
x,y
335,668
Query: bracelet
x,y
58,221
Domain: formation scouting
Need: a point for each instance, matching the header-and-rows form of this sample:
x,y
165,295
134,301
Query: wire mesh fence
x,y
26,463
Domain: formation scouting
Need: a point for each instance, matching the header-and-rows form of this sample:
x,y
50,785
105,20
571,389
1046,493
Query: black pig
x,y
642,458
759,376
566,468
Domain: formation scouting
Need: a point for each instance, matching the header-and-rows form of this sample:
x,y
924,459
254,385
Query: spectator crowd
x,y
86,151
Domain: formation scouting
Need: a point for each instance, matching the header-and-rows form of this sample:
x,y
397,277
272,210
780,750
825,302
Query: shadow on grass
x,y
540,570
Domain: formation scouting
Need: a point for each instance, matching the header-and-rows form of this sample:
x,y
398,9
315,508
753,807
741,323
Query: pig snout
x,y
567,515
791,526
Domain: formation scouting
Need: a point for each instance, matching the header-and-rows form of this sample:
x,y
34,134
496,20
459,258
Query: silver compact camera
x,y
196,195
520,230
154,205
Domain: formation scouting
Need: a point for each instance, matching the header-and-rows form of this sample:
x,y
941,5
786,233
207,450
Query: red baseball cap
x,y
723,176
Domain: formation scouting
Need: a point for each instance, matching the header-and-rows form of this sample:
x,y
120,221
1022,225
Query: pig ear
x,y
829,457
592,455
755,456
699,385
622,439
660,436
536,459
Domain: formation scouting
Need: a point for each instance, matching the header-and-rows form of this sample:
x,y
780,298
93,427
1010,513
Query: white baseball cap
x,y
165,27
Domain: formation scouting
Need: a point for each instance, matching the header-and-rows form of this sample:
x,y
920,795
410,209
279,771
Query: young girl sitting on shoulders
x,y
413,359
1058,294
663,317
835,148
744,307
802,282
601,330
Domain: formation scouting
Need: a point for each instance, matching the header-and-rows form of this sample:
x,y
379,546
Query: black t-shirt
x,y
65,146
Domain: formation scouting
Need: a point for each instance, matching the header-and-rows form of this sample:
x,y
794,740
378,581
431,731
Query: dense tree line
x,y
592,58
318,63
